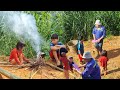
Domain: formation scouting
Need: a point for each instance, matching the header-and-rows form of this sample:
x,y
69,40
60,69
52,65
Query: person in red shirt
x,y
103,61
17,56
65,62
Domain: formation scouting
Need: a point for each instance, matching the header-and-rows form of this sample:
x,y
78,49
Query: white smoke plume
x,y
23,25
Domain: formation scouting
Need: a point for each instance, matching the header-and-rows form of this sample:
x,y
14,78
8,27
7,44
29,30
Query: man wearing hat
x,y
92,70
99,33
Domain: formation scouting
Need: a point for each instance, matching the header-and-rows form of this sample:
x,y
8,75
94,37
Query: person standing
x,y
103,62
99,33
80,49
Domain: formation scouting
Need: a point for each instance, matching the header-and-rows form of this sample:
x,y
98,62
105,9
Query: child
x,y
73,65
80,49
103,61
17,56
55,46
65,62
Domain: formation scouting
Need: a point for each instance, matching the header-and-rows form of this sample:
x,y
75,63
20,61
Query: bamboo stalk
x,y
8,74
4,62
26,65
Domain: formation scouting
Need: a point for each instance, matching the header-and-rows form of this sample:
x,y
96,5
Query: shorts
x,y
51,54
66,66
65,62
99,45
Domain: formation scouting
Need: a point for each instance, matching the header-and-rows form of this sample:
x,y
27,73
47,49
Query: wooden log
x,y
25,65
53,66
8,74
9,65
4,63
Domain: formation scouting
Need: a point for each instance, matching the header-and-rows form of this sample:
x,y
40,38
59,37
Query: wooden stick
x,y
8,74
9,65
59,69
26,65
4,62
53,66
31,74
34,73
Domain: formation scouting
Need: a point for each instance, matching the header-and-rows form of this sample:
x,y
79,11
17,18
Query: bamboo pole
x,y
8,74
26,65
4,62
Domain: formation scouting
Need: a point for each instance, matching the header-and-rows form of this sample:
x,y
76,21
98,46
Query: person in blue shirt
x,y
99,33
92,70
55,46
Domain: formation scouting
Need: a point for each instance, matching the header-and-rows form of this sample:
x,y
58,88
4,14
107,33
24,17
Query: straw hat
x,y
87,55
97,22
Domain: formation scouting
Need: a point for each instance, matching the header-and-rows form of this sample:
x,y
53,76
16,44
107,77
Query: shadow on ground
x,y
113,53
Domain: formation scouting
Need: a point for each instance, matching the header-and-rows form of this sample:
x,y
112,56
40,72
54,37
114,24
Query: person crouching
x,y
17,56
92,70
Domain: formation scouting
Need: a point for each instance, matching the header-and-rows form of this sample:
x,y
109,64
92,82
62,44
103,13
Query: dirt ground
x,y
111,44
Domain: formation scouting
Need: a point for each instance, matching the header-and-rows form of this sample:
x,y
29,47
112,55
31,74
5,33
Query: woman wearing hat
x,y
92,70
17,56
99,33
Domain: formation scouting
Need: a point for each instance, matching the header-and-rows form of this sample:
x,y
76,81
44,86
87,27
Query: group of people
x,y
58,53
91,68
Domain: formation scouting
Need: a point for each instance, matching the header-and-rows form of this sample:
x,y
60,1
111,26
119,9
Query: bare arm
x,y
82,65
61,46
101,38
25,59
94,36
56,47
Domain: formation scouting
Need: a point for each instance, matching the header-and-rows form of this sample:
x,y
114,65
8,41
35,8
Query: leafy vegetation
x,y
67,24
